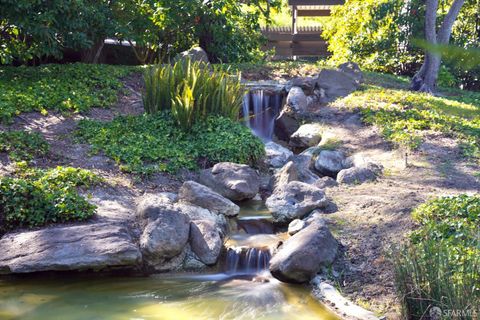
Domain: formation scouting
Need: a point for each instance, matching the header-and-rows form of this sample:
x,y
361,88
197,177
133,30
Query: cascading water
x,y
260,108
246,260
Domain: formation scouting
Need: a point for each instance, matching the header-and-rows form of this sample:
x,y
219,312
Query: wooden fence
x,y
307,41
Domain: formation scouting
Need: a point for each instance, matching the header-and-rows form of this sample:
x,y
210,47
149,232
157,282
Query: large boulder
x,y
295,200
330,163
277,155
202,196
286,123
234,181
85,247
325,182
353,70
356,175
335,84
205,240
308,135
164,238
195,54
196,213
297,100
303,255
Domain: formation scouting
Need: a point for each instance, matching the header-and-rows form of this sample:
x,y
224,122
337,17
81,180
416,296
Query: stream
x,y
242,288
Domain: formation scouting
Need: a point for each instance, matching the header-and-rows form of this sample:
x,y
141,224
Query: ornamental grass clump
x,y
439,266
192,92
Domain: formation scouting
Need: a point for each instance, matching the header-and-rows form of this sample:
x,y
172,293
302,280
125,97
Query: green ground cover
x,y
69,87
155,143
36,197
23,145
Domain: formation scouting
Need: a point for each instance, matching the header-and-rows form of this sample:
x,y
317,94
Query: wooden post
x,y
294,19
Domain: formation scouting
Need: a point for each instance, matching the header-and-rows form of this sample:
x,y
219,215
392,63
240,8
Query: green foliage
x,y
22,145
382,36
74,87
155,143
192,92
440,265
38,197
228,30
404,116
35,29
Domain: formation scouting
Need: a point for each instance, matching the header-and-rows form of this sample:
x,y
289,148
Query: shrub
x,y
22,145
440,264
192,92
155,143
37,197
73,87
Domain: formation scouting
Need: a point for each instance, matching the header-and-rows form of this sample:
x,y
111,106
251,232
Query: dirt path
x,y
374,216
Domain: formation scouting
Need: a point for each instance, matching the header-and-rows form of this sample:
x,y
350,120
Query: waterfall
x,y
260,108
246,260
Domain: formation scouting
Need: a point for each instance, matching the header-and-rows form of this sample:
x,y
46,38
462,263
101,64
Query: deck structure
x,y
301,41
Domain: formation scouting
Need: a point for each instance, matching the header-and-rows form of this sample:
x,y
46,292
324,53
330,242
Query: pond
x,y
215,296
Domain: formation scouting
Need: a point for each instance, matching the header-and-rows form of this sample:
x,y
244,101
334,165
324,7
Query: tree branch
x,y
431,21
447,25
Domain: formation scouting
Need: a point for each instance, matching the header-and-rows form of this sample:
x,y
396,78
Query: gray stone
x,y
297,99
303,255
307,84
282,177
164,238
84,247
195,54
360,161
234,181
295,200
353,70
196,213
286,123
150,205
192,261
355,175
277,155
325,182
205,240
295,226
335,84
202,196
329,163
308,135
305,163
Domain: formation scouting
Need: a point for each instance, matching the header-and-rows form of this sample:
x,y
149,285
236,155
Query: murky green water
x,y
155,297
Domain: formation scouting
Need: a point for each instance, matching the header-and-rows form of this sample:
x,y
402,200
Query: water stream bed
x,y
243,289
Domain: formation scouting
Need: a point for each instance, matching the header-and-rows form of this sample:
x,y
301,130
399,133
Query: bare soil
x,y
373,217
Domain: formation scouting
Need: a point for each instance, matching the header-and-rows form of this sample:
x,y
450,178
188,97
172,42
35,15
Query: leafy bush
x,y
192,92
404,116
73,87
37,197
22,145
440,265
155,143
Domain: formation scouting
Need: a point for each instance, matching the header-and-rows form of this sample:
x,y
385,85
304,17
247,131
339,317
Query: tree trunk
x,y
426,78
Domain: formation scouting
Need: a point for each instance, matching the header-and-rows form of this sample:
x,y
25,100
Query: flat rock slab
x,y
95,246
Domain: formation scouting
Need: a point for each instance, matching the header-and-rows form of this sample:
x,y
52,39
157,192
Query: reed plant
x,y
191,91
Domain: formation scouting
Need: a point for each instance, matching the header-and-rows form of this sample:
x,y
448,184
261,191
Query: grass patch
x,y
155,143
404,116
35,197
440,264
23,145
64,87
